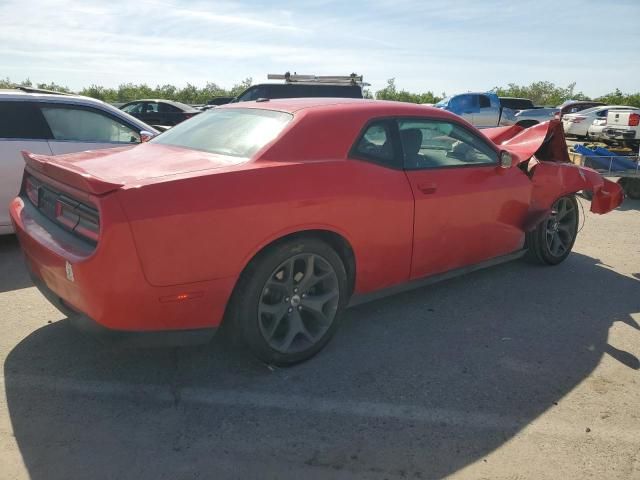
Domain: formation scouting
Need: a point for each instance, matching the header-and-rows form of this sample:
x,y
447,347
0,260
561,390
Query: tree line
x,y
541,93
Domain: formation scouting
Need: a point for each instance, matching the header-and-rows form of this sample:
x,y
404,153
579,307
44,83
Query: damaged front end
x,y
541,151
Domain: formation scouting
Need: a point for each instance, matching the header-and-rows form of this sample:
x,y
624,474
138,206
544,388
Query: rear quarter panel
x,y
210,226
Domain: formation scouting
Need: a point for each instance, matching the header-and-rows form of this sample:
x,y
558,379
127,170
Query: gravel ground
x,y
509,373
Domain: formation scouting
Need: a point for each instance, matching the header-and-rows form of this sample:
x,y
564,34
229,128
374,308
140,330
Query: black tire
x,y
298,325
631,187
552,240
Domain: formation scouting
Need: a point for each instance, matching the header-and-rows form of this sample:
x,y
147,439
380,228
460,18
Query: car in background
x,y
217,101
51,123
526,113
304,86
574,106
577,124
160,112
298,90
483,110
595,132
623,126
276,215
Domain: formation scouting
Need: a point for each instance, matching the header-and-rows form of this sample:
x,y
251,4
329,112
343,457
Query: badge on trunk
x,y
69,269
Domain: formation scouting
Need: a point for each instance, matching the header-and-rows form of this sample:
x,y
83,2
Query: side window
x,y
133,108
167,108
437,144
150,107
463,104
375,144
602,113
22,120
455,104
252,94
80,125
485,102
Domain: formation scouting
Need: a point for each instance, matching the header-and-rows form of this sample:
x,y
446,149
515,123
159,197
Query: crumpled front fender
x,y
542,152
553,180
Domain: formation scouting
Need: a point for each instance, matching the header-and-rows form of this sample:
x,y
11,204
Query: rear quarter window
x,y
237,132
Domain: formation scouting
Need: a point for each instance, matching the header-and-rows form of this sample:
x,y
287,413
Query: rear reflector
x,y
181,297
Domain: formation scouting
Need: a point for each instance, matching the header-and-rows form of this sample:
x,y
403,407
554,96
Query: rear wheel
x,y
552,240
289,302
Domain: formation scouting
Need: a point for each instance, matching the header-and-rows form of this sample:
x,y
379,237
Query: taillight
x,y
576,119
89,225
31,186
65,213
79,218
634,120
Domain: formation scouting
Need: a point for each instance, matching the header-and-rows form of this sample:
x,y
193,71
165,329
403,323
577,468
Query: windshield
x,y
238,132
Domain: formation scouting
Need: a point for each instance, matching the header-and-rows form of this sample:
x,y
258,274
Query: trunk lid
x,y
619,118
102,171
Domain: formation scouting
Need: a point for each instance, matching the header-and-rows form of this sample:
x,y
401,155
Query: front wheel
x,y
289,301
552,240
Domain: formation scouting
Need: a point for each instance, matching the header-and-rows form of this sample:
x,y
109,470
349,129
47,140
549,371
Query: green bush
x,y
541,93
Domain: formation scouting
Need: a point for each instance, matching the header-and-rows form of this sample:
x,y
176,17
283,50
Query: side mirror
x,y
506,160
145,136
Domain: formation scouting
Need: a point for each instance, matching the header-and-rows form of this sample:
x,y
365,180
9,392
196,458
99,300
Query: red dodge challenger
x,y
276,215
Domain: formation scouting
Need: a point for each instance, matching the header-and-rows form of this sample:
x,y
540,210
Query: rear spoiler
x,y
68,173
546,141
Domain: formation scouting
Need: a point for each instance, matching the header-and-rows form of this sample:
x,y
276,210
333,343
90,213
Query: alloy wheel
x,y
298,303
561,227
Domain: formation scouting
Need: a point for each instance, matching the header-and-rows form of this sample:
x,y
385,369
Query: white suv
x,y
53,124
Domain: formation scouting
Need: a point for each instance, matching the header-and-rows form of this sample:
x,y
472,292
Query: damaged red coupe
x,y
276,215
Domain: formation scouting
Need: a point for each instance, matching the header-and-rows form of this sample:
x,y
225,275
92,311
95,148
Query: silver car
x,y
53,124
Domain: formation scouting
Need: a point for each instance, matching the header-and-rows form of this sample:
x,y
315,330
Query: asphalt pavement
x,y
514,372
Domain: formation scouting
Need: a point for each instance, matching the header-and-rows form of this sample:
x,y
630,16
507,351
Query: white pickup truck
x,y
623,126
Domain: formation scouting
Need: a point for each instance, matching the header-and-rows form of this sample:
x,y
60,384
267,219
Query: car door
x,y
77,128
467,208
170,115
151,114
486,115
22,127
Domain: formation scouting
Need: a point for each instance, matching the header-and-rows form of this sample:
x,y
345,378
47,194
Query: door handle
x,y
427,188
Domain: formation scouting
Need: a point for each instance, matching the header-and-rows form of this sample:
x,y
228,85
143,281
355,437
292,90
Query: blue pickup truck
x,y
486,109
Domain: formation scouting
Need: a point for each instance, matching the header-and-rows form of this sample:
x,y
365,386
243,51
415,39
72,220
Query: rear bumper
x,y
574,128
161,338
619,134
105,290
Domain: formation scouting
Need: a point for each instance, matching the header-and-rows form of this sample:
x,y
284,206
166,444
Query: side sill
x,y
359,299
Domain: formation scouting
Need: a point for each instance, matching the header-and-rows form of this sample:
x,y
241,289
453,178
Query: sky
x,y
439,45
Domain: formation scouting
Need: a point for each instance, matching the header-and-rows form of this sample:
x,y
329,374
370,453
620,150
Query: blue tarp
x,y
601,159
